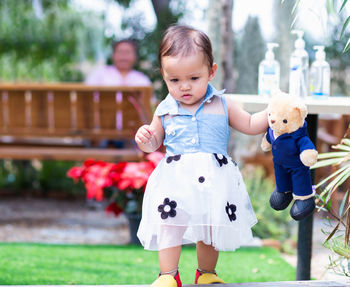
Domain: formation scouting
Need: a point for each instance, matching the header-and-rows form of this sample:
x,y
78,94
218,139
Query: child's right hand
x,y
144,135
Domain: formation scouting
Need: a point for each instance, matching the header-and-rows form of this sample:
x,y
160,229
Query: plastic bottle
x,y
299,67
320,74
269,72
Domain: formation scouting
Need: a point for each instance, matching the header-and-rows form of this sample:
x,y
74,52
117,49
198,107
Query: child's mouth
x,y
186,96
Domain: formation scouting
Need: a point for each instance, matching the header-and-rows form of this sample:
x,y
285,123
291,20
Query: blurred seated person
x,y
121,73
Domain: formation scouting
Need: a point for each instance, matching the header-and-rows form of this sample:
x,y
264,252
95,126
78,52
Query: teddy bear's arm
x,y
265,145
308,152
309,157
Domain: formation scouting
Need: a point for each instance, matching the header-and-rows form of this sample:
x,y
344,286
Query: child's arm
x,y
244,122
150,137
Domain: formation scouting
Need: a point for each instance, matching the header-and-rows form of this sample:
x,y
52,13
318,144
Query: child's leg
x,y
169,257
169,260
170,235
207,256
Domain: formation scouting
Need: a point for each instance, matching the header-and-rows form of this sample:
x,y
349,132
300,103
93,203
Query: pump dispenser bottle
x,y
320,75
299,66
269,72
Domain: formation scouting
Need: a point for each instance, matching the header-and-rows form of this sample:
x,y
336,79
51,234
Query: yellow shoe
x,y
167,280
207,278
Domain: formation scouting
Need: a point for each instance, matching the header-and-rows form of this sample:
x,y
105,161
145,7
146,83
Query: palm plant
x,y
338,240
331,10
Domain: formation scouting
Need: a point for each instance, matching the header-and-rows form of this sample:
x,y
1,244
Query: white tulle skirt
x,y
196,197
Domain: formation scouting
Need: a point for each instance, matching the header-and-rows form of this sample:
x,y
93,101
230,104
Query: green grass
x,y
25,264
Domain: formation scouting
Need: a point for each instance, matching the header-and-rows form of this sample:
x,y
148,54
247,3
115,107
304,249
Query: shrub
x,y
271,223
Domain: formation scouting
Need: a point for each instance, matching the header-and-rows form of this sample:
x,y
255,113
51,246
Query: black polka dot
x,y
201,179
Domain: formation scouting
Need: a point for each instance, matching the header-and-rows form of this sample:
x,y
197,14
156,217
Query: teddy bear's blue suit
x,y
290,173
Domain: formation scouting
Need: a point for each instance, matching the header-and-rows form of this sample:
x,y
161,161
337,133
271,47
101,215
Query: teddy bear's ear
x,y
275,92
302,108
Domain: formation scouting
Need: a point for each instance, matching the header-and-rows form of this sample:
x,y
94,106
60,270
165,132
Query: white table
x,y
335,105
331,105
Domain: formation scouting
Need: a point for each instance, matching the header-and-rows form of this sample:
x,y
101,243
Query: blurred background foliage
x,y
46,42
271,223
54,41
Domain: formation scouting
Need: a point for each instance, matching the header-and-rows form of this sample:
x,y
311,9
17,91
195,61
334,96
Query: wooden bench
x,y
69,121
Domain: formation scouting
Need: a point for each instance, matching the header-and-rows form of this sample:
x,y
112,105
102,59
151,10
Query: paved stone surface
x,y
320,254
59,221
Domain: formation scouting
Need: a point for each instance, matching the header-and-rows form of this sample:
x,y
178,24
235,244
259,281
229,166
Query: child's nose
x,y
185,86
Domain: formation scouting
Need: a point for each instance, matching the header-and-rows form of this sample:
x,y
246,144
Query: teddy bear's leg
x,y
303,194
282,195
280,200
302,208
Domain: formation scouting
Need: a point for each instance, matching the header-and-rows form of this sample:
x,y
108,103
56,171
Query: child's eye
x,y
174,80
194,78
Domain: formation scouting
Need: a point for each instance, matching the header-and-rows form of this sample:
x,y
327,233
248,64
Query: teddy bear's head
x,y
286,113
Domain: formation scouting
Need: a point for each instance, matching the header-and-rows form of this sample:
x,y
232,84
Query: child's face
x,y
187,77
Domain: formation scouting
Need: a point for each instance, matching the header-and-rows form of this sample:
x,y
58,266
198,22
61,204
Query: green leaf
x,y
332,233
294,20
345,141
330,7
295,6
344,26
320,208
332,154
341,8
337,226
330,176
341,207
342,146
337,182
326,162
347,46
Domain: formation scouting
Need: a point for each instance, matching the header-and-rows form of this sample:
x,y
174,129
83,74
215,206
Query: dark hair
x,y
184,40
129,41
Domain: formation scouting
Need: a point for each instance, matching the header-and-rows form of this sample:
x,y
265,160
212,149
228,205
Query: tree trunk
x,y
282,21
214,13
227,45
159,6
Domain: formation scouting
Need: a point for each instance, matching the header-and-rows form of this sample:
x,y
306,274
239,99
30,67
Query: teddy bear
x,y
293,154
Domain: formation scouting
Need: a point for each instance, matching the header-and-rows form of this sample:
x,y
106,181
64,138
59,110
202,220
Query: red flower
x,y
75,172
114,208
129,176
135,175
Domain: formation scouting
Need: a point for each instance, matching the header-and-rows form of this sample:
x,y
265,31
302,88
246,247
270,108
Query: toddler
x,y
196,193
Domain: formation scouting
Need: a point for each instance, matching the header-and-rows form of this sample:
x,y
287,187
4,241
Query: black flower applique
x,y
167,208
171,158
221,159
230,210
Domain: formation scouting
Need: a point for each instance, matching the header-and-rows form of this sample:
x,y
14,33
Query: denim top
x,y
204,131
